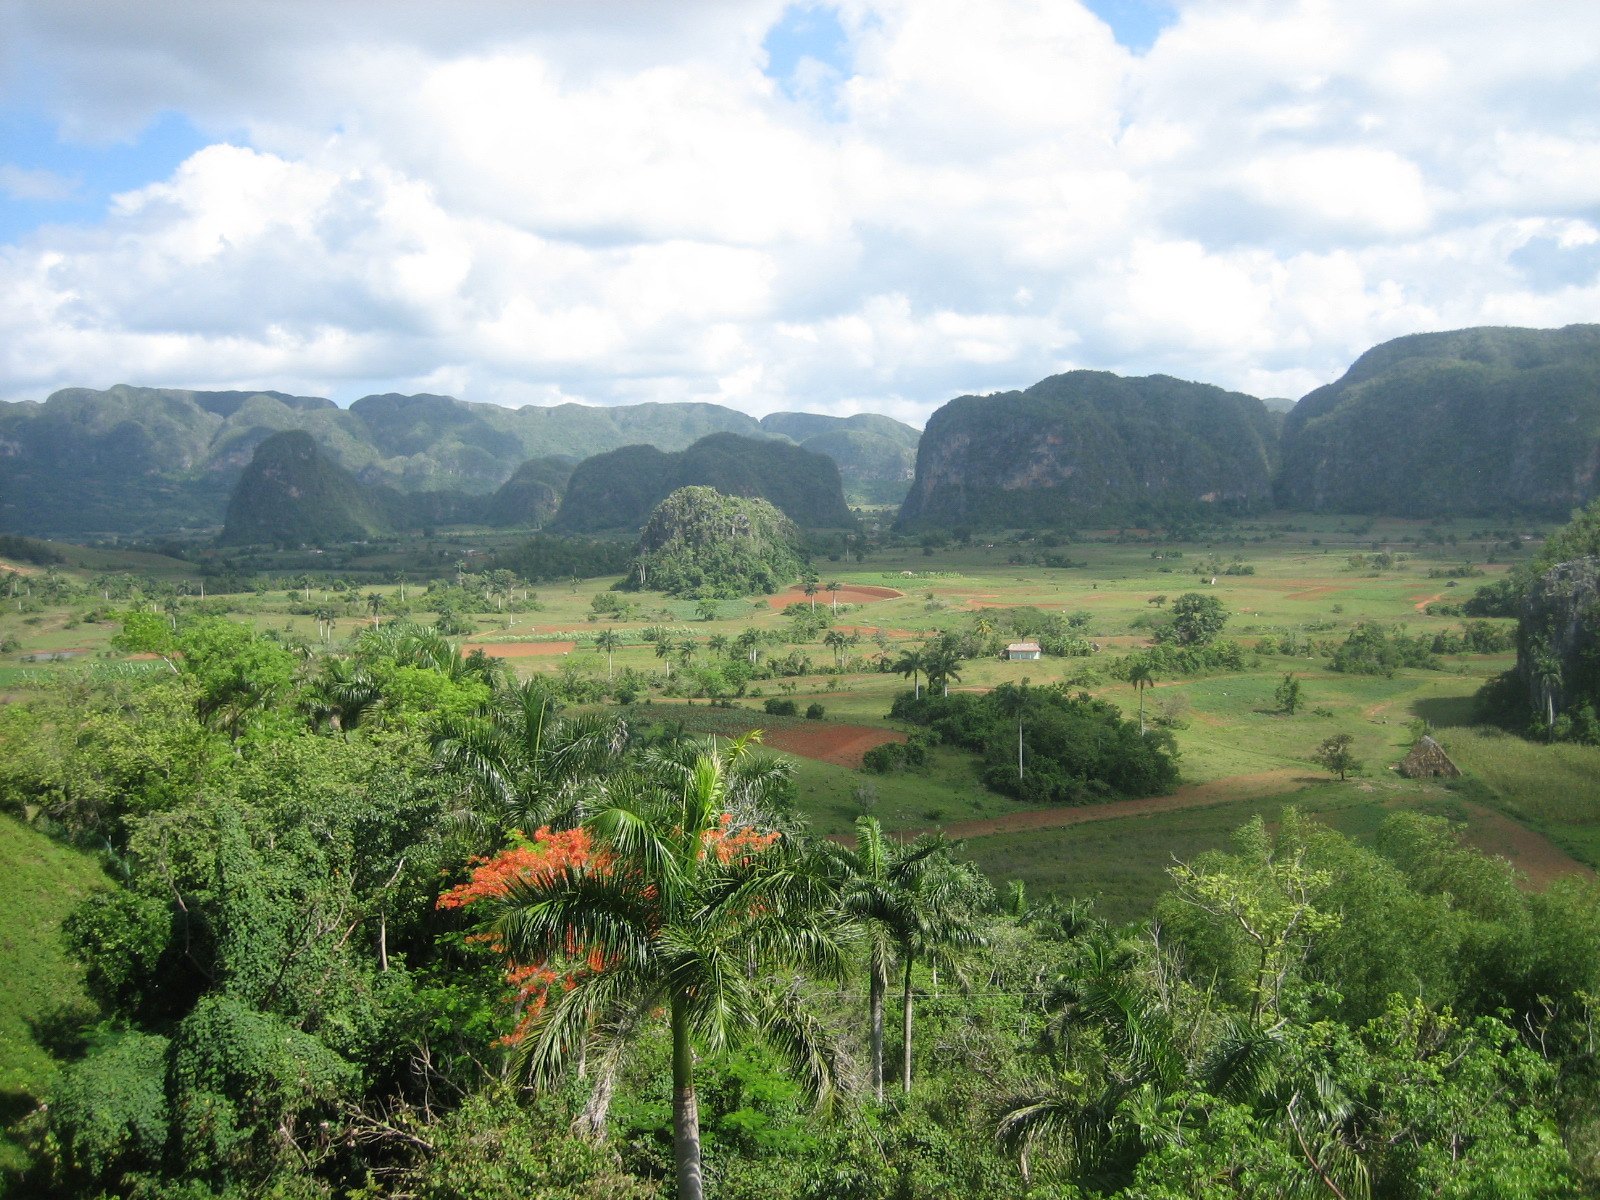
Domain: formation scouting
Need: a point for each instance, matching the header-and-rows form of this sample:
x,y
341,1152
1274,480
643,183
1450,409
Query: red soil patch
x,y
1422,602
841,745
521,649
1540,859
854,593
1316,593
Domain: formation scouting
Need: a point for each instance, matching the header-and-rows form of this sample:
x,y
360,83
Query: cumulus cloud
x,y
544,201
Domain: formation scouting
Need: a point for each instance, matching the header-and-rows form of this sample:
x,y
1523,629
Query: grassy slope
x,y
40,881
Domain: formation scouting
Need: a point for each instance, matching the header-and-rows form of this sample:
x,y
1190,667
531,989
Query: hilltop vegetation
x,y
618,491
701,543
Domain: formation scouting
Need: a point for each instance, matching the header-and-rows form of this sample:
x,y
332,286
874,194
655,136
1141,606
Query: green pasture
x,y
41,991
1225,726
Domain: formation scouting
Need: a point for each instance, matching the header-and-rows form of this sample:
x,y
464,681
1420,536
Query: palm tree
x,y
810,590
880,882
374,601
524,763
610,641
837,642
1140,676
942,900
341,694
942,664
749,642
684,911
833,589
1013,702
909,665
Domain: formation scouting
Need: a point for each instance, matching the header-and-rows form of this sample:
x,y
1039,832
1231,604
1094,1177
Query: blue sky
x,y
865,205
61,181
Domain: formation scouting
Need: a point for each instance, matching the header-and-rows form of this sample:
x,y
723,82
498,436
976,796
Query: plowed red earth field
x,y
841,745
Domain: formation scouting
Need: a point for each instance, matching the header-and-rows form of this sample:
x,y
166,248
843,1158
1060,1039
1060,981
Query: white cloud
x,y
550,201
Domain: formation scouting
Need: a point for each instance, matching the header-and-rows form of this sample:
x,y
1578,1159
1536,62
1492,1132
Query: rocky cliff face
x,y
1476,422
618,490
1089,446
1558,638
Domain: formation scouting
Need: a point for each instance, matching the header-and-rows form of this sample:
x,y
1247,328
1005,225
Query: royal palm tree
x,y
682,910
881,885
833,591
810,590
610,641
1012,701
910,665
942,665
1140,676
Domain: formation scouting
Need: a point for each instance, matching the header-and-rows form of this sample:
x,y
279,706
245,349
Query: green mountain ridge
x,y
134,459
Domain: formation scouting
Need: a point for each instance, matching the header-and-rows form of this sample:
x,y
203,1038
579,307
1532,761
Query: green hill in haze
x,y
618,491
877,455
531,496
1475,422
292,494
1089,446
162,460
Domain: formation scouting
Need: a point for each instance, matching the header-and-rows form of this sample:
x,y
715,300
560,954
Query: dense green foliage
x,y
1467,423
620,489
1092,446
701,543
291,494
21,549
285,1009
1073,749
542,558
877,455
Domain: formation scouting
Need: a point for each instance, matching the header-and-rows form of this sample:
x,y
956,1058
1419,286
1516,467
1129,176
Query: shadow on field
x,y
1447,712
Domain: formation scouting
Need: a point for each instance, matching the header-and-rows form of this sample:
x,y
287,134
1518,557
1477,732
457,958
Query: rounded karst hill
x,y
699,542
291,494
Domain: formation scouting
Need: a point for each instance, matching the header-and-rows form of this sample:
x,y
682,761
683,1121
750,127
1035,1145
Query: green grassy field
x,y
1227,727
40,989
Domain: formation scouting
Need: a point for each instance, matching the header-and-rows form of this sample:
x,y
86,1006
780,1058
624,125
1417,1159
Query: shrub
x,y
814,712
776,707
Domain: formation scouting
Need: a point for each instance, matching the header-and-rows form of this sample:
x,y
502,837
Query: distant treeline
x,y
543,558
27,550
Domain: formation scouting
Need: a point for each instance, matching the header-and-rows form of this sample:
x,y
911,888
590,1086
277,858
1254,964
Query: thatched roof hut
x,y
1428,760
